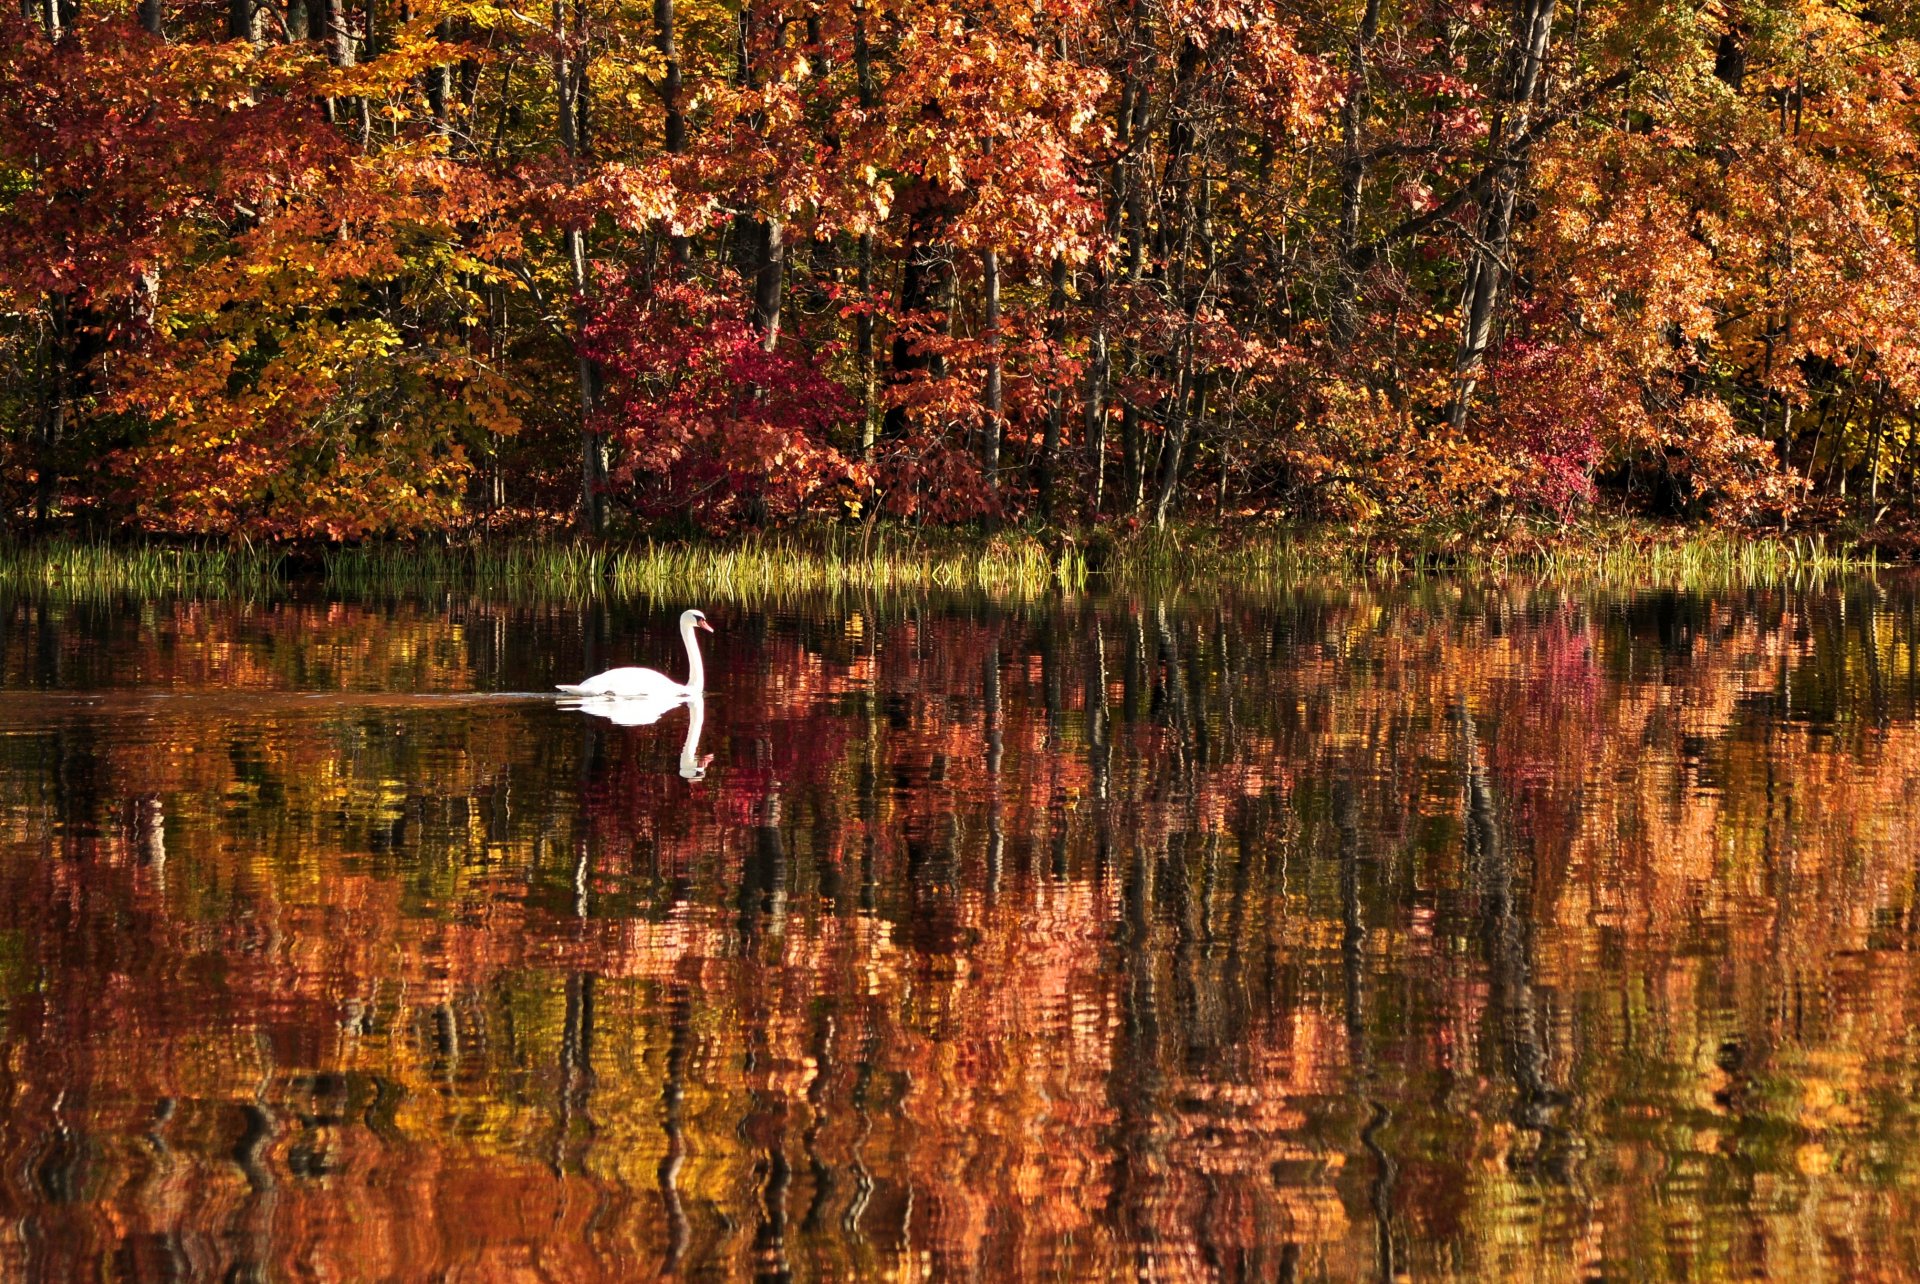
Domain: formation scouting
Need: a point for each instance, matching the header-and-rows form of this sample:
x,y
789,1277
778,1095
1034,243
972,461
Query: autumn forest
x,y
338,268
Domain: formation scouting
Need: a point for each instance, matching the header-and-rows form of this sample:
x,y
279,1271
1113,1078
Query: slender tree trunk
x,y
991,400
1178,431
1488,265
670,84
863,323
1057,409
152,18
569,78
763,238
1190,220
1874,437
1353,178
440,83
53,411
1171,447
1132,442
1094,411
863,348
1099,357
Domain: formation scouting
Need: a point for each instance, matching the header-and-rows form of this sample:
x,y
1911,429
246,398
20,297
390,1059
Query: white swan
x,y
651,684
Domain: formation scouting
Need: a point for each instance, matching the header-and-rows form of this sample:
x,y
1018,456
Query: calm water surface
x,y
1437,931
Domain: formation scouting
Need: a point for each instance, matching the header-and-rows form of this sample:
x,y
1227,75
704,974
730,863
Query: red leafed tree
x,y
705,419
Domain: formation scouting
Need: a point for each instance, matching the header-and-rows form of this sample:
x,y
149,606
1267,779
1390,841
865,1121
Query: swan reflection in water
x,y
626,711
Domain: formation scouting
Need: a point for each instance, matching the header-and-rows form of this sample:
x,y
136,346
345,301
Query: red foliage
x,y
1556,413
705,420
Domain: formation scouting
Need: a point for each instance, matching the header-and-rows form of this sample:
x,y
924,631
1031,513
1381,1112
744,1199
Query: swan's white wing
x,y
630,684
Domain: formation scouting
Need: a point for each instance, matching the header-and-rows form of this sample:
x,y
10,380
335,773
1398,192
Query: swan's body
x,y
651,685
630,684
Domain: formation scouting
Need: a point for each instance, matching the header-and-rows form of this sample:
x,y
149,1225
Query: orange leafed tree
x,y
332,268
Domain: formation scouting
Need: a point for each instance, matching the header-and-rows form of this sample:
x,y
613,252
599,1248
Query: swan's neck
x,y
696,670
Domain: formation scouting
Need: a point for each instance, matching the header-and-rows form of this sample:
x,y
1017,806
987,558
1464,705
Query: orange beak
x,y
702,624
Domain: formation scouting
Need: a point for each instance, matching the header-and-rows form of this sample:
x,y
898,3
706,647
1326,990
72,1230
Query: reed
x,y
1609,554
84,569
756,566
1019,563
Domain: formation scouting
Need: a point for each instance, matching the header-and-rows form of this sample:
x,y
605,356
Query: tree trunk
x,y
763,238
53,412
1094,412
675,131
769,278
1132,109
1057,409
440,82
151,18
1353,179
339,38
991,396
924,281
1181,216
1172,456
863,348
863,323
1132,443
243,21
570,81
339,41
1488,266
676,121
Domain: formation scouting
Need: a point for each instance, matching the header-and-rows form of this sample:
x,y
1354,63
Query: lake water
x,y
1440,930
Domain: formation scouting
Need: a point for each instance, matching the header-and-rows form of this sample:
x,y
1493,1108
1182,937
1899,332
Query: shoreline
x,y
1016,561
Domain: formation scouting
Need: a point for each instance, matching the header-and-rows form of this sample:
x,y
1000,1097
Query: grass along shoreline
x,y
1018,562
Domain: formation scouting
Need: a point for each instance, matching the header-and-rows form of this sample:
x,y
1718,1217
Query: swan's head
x,y
695,620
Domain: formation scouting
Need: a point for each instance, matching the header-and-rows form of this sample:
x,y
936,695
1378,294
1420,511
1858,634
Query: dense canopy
x,y
330,268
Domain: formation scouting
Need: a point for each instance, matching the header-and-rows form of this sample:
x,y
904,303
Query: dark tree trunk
x,y
676,121
763,239
1487,265
925,285
769,278
152,18
675,131
243,21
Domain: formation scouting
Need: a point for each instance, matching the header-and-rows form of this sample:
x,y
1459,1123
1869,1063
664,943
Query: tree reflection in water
x,y
1452,931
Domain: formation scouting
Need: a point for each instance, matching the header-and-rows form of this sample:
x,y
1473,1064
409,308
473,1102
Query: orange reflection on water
x,y
1440,931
